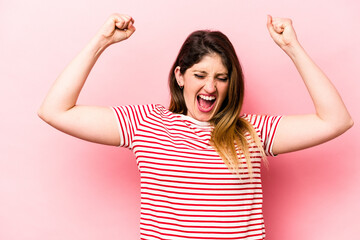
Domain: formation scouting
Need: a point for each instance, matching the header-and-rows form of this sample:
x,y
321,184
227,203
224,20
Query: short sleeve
x,y
129,119
266,127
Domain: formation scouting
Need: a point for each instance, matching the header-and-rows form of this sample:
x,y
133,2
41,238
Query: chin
x,y
204,117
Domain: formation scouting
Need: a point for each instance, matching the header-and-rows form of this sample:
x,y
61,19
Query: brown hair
x,y
229,134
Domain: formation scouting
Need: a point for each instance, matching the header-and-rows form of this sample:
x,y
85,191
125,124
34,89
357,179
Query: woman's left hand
x,y
331,117
282,32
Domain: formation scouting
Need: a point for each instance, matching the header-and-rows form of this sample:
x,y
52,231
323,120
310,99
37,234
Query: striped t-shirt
x,y
187,191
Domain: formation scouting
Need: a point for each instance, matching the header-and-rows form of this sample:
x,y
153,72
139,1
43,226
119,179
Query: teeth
x,y
207,98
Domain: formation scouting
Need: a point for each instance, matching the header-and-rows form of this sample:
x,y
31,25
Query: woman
x,y
187,192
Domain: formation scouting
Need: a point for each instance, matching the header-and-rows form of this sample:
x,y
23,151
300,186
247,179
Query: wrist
x,y
293,50
97,45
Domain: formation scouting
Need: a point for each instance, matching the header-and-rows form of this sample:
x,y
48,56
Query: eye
x,y
199,76
223,79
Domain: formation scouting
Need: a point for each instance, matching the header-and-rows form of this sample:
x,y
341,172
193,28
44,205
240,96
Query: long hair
x,y
230,134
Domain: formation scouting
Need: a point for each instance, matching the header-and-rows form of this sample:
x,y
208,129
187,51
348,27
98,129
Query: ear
x,y
179,77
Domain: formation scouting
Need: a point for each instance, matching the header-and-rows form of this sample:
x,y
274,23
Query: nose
x,y
210,85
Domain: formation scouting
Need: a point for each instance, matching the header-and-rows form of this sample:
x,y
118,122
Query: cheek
x,y
223,89
191,89
189,95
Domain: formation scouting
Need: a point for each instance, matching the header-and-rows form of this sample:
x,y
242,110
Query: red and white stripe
x,y
187,191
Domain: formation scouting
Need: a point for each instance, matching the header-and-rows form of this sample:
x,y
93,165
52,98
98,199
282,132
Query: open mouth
x,y
206,102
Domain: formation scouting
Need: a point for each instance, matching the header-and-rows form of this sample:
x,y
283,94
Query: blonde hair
x,y
232,135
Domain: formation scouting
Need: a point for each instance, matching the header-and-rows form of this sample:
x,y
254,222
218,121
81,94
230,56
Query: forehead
x,y
210,63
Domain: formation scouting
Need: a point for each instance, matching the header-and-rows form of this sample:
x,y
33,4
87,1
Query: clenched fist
x,y
117,27
282,32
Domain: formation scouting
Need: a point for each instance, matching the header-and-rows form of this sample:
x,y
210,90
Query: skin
x,y
330,118
207,78
99,124
59,109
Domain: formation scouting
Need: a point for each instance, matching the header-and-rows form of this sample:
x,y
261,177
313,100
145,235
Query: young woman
x,y
199,160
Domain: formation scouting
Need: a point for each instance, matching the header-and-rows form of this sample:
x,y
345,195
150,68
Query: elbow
x,y
345,125
350,123
50,114
41,114
44,114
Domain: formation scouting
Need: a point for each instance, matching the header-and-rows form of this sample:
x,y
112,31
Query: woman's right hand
x,y
118,27
60,108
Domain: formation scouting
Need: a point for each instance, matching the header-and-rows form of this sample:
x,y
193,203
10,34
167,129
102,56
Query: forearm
x,y
66,89
326,99
331,117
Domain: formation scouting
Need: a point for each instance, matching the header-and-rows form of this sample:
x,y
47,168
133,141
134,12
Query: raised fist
x,y
282,31
117,27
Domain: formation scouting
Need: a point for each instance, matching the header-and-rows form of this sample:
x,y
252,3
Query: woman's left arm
x,y
331,117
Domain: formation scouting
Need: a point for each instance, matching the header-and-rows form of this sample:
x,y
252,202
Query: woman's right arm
x,y
59,109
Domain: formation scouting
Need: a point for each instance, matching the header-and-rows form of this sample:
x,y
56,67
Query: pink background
x,y
54,187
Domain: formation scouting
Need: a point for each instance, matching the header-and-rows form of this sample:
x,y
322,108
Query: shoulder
x,y
142,108
252,118
154,111
140,111
260,121
158,109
